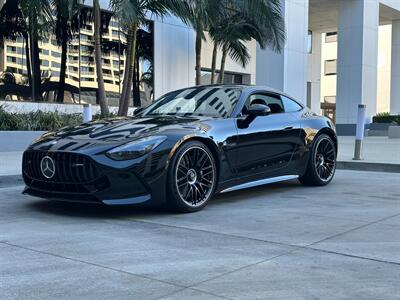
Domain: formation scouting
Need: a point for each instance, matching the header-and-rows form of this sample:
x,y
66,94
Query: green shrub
x,y
38,120
386,118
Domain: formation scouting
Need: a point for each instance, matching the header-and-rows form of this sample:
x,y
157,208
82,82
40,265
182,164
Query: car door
x,y
267,144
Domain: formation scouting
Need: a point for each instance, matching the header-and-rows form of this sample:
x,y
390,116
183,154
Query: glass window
x,y
309,42
331,37
11,49
11,59
199,101
55,64
273,101
44,51
330,67
290,105
55,54
44,63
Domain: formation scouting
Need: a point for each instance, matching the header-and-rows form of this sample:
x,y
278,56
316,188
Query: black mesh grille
x,y
69,167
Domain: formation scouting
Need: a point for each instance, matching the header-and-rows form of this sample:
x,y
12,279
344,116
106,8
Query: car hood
x,y
119,131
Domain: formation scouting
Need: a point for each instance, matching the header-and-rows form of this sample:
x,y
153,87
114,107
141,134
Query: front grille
x,y
69,167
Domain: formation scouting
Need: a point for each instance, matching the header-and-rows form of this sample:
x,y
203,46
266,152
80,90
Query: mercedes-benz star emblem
x,y
47,167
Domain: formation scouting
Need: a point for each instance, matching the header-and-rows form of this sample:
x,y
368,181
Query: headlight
x,y
44,137
136,148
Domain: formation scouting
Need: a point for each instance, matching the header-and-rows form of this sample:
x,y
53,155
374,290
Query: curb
x,y
11,180
368,167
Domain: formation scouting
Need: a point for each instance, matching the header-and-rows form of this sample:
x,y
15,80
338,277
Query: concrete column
x,y
314,72
357,61
395,76
174,55
287,71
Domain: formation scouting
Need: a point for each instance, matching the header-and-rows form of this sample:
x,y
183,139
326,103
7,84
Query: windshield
x,y
198,101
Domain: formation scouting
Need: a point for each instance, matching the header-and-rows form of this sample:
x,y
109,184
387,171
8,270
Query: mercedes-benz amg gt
x,y
184,148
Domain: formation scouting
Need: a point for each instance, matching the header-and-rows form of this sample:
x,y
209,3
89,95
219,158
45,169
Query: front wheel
x,y
192,178
321,165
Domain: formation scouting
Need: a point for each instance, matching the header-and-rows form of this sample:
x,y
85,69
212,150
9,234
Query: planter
x,y
378,129
17,140
380,126
394,132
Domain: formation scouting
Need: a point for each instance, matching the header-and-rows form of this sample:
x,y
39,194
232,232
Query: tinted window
x,y
274,102
290,105
199,101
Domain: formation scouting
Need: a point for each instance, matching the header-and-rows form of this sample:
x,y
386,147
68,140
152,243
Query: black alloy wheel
x,y
193,178
325,159
321,165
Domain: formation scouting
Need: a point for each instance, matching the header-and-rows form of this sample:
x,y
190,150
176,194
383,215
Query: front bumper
x,y
97,183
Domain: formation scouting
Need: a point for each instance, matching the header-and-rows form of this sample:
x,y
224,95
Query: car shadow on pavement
x,y
98,211
94,211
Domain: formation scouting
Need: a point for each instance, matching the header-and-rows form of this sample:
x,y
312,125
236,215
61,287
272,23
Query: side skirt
x,y
260,182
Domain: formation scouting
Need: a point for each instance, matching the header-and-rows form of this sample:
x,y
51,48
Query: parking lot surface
x,y
282,241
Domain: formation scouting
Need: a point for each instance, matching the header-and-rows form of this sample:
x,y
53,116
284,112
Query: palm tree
x,y
29,19
38,16
132,14
101,94
201,14
240,22
64,29
144,52
12,26
233,43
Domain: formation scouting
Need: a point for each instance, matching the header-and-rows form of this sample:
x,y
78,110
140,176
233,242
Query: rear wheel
x,y
322,162
192,178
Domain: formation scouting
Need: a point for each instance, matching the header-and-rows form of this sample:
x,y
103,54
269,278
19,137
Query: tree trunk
x,y
124,86
129,69
223,61
136,83
61,82
214,63
99,64
28,60
36,73
198,56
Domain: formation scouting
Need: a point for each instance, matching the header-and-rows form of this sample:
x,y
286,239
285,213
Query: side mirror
x,y
257,110
254,111
138,111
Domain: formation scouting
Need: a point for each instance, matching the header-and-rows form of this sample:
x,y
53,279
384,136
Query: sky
x,y
103,3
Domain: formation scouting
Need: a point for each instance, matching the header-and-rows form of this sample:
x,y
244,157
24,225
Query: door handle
x,y
288,128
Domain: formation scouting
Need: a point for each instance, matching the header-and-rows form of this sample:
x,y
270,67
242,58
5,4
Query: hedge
x,y
38,120
386,118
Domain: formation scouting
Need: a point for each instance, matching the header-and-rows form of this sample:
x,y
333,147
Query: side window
x,y
274,102
290,105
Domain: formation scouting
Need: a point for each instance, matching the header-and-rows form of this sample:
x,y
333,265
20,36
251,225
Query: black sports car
x,y
183,148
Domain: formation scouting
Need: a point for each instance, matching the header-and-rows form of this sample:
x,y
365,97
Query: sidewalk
x,y
10,163
379,153
376,149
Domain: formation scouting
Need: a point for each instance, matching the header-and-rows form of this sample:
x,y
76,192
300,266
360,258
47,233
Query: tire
x,y
192,178
321,164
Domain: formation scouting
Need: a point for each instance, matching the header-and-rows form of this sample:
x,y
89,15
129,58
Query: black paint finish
x,y
271,145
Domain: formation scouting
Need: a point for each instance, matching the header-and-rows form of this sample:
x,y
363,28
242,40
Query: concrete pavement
x,y
10,163
282,241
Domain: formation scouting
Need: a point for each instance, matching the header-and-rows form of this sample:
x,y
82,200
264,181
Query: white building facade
x,y
299,69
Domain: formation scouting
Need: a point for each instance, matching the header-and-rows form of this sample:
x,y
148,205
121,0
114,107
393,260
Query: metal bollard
x,y
362,108
87,113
